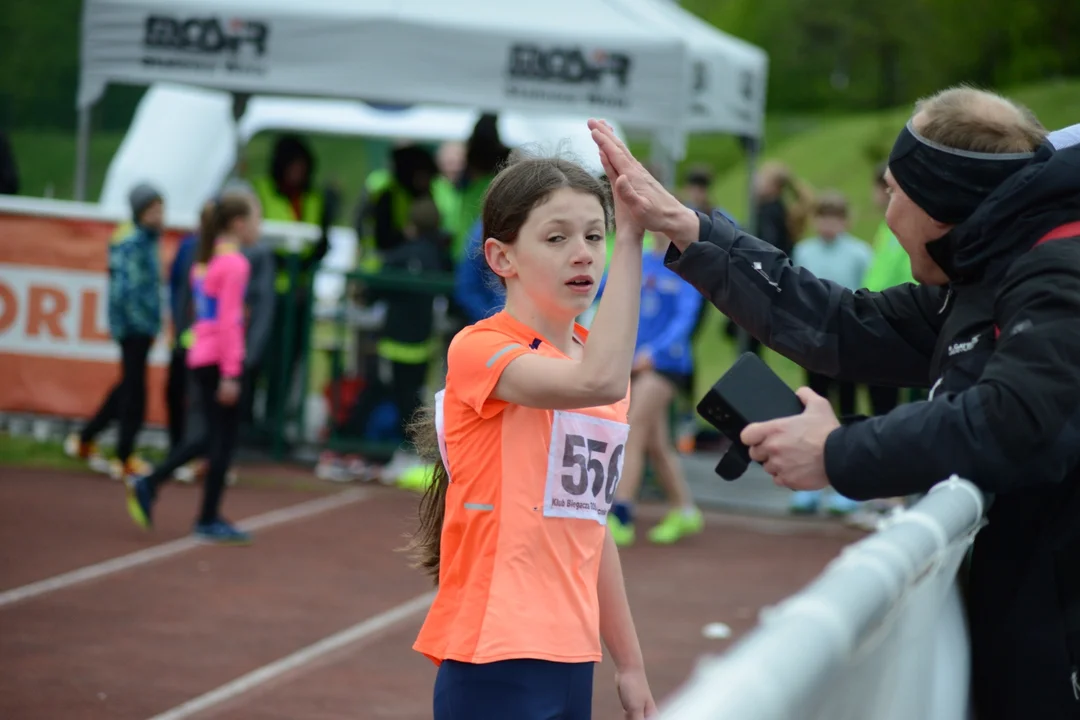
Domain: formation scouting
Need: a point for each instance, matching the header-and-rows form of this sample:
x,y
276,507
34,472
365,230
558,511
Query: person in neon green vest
x,y
889,267
287,194
388,199
484,155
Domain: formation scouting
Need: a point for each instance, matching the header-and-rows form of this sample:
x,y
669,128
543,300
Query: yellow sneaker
x,y
623,534
676,525
416,479
134,467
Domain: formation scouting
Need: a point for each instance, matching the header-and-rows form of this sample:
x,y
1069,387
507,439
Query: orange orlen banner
x,y
56,356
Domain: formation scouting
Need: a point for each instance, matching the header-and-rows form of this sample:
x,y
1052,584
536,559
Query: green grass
x,y
26,452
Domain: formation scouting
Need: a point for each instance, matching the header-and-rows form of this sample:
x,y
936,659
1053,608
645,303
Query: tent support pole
x,y
82,152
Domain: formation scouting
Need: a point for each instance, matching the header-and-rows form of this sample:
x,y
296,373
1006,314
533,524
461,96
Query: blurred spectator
x,y
389,197
287,195
484,155
834,255
134,322
187,432
699,181
450,158
783,206
398,369
475,291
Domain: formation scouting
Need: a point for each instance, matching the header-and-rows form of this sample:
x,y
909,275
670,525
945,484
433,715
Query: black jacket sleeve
x,y
1017,427
884,338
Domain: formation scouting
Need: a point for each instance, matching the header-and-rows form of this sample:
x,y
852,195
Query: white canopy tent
x,y
184,139
633,61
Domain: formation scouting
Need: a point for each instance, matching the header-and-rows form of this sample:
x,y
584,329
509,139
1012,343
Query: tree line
x,y
824,55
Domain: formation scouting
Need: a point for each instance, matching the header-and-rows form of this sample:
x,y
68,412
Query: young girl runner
x,y
531,430
663,366
218,282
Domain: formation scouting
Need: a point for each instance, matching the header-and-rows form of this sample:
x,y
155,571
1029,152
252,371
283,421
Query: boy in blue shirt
x,y
833,254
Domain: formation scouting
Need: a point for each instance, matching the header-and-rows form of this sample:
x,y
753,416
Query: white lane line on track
x,y
276,669
273,518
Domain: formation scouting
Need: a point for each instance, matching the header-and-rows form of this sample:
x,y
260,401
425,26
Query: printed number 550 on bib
x,y
584,466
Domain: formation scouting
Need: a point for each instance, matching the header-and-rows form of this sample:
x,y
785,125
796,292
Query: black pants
x,y
386,380
192,444
822,384
176,397
126,401
217,442
283,353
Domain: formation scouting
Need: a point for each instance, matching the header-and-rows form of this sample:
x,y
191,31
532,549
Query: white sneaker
x,y
401,462
332,469
188,473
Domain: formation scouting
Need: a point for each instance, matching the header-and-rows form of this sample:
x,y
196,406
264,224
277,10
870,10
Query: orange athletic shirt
x,y
526,510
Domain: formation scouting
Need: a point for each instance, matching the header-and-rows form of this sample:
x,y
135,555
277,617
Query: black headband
x,y
945,182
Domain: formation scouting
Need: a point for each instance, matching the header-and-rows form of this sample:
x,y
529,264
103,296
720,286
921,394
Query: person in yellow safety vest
x,y
287,195
390,195
484,155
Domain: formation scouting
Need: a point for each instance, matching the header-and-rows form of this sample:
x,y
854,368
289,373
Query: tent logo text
x,y
241,43
569,74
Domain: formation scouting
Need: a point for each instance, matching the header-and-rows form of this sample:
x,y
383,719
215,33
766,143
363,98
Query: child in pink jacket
x,y
219,280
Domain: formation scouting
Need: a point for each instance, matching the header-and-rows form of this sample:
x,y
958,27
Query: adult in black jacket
x,y
994,328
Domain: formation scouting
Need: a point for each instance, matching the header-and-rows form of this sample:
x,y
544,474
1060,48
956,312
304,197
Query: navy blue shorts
x,y
517,689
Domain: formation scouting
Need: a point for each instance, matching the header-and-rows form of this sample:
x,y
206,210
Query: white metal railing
x,y
878,635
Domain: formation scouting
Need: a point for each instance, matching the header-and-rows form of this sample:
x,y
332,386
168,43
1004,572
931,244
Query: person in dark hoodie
x,y
989,213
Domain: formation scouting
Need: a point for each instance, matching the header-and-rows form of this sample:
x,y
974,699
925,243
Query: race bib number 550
x,y
584,466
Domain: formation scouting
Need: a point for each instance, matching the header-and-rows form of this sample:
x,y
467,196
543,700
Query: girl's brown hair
x,y
217,215
522,185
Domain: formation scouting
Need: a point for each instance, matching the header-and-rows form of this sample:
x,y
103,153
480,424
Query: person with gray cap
x,y
134,322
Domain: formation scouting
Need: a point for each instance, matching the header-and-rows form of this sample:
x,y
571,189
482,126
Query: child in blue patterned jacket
x,y
134,322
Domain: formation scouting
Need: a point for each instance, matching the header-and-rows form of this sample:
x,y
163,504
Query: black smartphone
x,y
748,392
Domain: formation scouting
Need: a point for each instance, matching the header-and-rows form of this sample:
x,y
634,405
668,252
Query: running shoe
x,y
333,468
140,501
414,479
622,533
804,502
221,532
134,467
189,472
195,471
676,525
76,449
